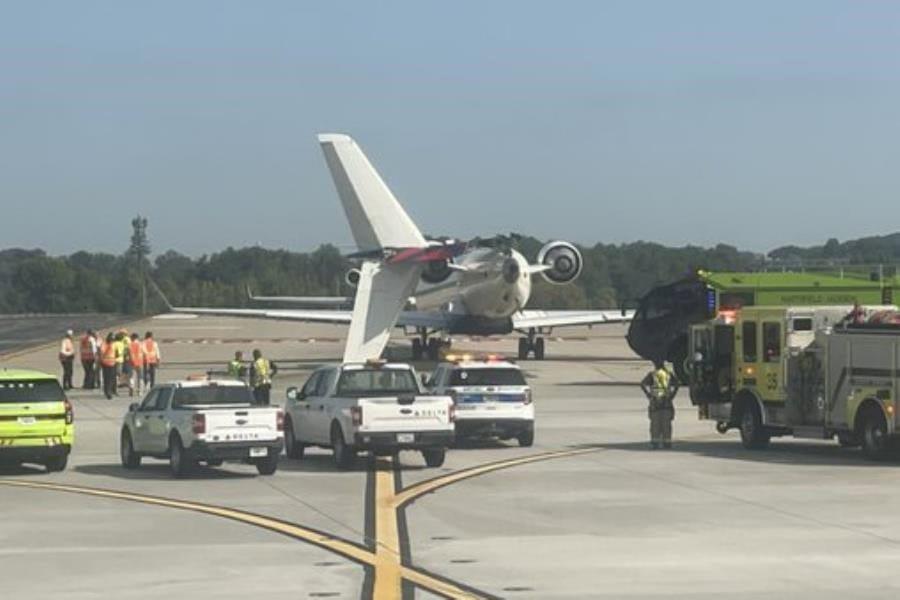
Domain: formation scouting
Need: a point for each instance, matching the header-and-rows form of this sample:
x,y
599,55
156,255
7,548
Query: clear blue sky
x,y
755,123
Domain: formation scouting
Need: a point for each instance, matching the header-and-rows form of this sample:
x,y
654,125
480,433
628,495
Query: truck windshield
x,y
487,377
230,394
376,382
31,390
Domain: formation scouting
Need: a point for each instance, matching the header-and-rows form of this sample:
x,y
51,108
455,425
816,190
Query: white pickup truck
x,y
371,406
209,421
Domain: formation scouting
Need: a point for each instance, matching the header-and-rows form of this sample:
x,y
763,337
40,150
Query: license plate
x,y
406,438
27,420
255,452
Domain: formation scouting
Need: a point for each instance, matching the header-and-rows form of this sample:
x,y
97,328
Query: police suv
x,y
202,420
491,395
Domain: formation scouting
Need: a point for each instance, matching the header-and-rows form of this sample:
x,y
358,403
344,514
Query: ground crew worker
x,y
236,367
660,387
88,352
108,364
151,360
98,368
119,344
67,359
261,372
136,358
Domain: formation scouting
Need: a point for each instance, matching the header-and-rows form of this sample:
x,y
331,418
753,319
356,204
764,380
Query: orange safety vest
x,y
151,352
108,354
136,352
87,351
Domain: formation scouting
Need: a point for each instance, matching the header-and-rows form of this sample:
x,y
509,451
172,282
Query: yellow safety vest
x,y
661,379
263,371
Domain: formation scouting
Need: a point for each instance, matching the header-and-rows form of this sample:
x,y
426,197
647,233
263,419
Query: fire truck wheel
x,y
753,433
873,429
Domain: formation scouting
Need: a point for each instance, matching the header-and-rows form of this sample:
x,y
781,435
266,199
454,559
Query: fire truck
x,y
817,372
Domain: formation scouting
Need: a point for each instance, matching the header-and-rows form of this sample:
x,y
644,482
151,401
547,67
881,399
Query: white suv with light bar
x,y
492,397
202,421
372,406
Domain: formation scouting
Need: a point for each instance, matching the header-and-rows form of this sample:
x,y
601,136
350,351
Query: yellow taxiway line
x,y
387,558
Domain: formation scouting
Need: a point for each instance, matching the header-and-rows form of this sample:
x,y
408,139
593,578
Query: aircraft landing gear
x,y
428,347
531,344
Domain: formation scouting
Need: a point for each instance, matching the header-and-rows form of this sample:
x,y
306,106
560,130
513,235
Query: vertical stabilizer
x,y
376,218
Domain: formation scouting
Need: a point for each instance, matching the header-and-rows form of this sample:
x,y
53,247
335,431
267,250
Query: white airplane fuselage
x,y
484,283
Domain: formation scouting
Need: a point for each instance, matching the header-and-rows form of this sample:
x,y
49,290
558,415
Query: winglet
x,y
376,218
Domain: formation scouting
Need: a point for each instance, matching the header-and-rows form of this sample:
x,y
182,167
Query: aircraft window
x,y
748,339
772,341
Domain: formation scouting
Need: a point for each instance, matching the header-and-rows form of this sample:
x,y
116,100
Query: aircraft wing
x,y
287,314
527,319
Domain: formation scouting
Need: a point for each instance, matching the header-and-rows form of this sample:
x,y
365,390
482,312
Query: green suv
x,y
36,419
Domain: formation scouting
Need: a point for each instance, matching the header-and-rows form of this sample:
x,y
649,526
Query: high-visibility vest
x,y
136,353
119,347
234,368
87,348
108,354
661,379
263,372
151,352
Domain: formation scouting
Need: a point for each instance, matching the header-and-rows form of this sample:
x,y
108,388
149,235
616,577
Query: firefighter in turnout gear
x,y
660,387
261,372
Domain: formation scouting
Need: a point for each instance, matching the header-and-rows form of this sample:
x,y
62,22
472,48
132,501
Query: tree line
x,y
31,281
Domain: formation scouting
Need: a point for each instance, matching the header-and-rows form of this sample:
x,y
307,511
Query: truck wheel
x,y
56,463
753,434
343,455
267,465
292,448
874,434
526,438
434,457
130,458
179,461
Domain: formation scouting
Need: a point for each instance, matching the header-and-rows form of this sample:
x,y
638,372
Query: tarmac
x,y
588,512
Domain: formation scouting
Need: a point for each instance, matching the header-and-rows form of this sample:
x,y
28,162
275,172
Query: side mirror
x,y
292,393
133,407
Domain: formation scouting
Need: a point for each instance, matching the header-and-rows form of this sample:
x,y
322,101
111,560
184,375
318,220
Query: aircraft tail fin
x,y
376,218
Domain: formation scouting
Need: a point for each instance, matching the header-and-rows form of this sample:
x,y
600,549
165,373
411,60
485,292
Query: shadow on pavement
x,y
784,452
160,470
323,463
21,470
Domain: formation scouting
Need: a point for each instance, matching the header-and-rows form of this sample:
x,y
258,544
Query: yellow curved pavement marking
x,y
416,490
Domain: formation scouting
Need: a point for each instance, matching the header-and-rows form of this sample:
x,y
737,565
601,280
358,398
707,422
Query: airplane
x,y
432,288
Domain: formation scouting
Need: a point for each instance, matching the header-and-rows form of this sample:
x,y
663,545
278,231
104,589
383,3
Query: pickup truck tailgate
x,y
412,413
251,423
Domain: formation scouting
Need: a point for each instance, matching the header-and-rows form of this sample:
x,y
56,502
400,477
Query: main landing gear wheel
x,y
417,349
528,346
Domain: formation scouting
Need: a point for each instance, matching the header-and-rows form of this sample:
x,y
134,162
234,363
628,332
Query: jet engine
x,y
564,262
436,271
352,277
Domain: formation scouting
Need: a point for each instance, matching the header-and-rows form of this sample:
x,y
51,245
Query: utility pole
x,y
140,250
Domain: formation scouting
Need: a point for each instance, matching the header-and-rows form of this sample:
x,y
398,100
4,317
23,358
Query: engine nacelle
x,y
436,271
352,277
564,260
